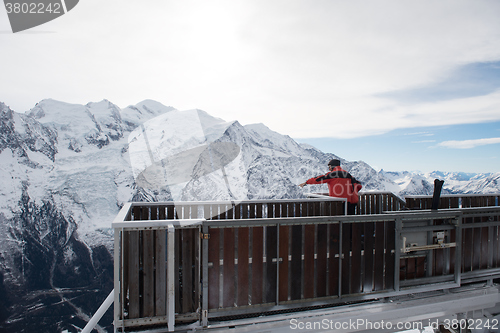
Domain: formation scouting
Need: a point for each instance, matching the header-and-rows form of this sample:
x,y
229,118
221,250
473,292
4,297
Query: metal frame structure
x,y
272,256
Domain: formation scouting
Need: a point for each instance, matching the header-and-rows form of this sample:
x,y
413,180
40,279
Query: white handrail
x,y
99,313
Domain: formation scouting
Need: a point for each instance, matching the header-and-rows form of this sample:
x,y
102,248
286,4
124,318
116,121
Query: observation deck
x,y
271,264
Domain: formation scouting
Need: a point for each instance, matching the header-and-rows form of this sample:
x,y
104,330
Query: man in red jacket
x,y
340,184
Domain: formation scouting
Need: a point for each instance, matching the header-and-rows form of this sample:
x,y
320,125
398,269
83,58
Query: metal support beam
x,y
171,277
204,287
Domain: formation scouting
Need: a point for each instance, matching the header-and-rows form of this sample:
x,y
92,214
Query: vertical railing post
x,y
341,254
170,277
118,278
458,249
278,264
490,247
204,262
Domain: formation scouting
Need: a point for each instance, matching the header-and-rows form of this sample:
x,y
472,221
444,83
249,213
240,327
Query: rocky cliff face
x,y
67,169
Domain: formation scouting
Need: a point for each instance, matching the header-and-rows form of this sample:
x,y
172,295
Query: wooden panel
x,y
333,261
243,266
368,250
134,253
213,268
495,240
438,262
390,231
187,247
356,258
160,272
346,261
467,249
321,261
271,263
148,273
228,268
484,246
410,268
283,265
296,263
402,269
125,269
476,256
379,256
257,264
420,267
309,261
178,268
452,250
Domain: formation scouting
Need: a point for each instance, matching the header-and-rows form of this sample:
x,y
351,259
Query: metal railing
x,y
453,201
196,262
373,202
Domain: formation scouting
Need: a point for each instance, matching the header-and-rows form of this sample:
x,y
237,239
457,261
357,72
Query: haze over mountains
x,y
67,169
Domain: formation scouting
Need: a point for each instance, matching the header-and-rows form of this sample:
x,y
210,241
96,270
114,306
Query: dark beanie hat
x,y
334,163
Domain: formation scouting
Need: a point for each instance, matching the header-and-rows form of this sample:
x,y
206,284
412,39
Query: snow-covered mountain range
x,y
66,170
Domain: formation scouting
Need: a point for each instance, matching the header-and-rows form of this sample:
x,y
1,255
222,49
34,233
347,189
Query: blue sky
x,y
357,75
468,147
422,149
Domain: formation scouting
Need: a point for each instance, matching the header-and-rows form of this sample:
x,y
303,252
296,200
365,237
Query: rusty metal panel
x,y
321,261
188,243
420,266
160,272
346,261
476,255
467,245
496,249
309,261
213,268
390,231
243,266
257,264
453,238
484,245
379,256
271,263
296,263
228,268
356,258
369,246
133,276
283,263
333,261
148,295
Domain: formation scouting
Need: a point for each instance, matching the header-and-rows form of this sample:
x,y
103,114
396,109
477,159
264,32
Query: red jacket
x,y
340,184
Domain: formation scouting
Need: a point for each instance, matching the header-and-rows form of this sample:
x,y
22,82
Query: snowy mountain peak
x,y
67,169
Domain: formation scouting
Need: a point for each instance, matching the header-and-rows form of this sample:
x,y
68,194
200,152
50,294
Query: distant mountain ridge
x,y
412,183
67,169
